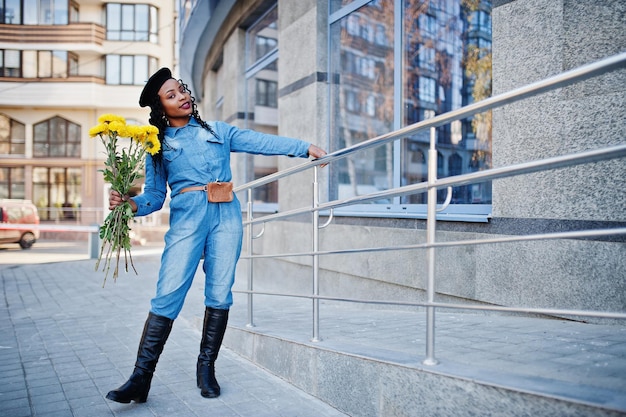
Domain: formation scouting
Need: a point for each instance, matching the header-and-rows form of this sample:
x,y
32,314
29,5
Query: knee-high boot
x,y
213,330
155,333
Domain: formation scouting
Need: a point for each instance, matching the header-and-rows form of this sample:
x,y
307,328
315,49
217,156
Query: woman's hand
x,y
316,152
115,199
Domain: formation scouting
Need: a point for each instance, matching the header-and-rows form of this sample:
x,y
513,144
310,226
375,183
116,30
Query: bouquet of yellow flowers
x,y
123,166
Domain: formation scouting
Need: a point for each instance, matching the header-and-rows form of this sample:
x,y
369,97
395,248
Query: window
x,y
370,106
57,191
426,60
45,12
480,20
131,22
38,64
352,102
381,36
12,12
266,93
427,89
262,100
264,45
10,63
429,63
12,136
12,182
56,137
427,23
365,71
353,25
52,64
129,69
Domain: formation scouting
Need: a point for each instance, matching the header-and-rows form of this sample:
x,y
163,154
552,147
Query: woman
x,y
193,153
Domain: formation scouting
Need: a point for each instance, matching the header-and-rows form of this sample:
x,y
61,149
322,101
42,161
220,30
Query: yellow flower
x,y
118,127
152,144
98,130
134,132
152,130
142,133
122,167
108,118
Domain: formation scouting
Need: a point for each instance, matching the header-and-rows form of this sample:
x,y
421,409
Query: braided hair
x,y
160,121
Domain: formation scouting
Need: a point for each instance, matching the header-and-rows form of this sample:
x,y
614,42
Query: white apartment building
x,y
62,64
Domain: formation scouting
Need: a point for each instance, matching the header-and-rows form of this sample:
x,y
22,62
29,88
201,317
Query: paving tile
x,y
70,341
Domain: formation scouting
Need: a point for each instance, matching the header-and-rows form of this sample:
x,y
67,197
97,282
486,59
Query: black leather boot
x,y
155,333
212,335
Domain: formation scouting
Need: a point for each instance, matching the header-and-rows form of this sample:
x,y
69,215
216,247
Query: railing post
x,y
316,265
250,260
430,251
94,242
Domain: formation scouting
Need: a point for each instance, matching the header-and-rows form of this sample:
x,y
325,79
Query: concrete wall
x,y
532,40
535,39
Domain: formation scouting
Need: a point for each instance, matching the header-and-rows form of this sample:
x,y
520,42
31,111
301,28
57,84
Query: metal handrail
x,y
502,309
574,234
431,186
563,161
552,83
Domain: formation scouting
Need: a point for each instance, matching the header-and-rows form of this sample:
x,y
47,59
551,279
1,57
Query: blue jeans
x,y
198,227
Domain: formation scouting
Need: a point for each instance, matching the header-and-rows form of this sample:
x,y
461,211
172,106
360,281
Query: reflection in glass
x,y
12,182
442,63
56,192
56,137
444,69
262,98
131,22
362,68
12,12
262,37
129,69
18,138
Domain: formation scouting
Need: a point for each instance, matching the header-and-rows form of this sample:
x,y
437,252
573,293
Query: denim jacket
x,y
194,156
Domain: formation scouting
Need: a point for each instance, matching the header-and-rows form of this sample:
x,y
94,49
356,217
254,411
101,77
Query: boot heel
x,y
208,384
135,389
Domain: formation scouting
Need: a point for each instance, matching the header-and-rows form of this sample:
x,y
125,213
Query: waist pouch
x,y
220,192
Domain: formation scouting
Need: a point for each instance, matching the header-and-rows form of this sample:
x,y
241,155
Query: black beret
x,y
153,86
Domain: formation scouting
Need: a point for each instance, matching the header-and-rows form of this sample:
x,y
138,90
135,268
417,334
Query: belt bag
x,y
219,192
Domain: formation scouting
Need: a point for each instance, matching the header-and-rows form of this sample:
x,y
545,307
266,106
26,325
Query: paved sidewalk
x,y
65,341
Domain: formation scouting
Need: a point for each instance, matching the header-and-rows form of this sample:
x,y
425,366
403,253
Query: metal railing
x,y
430,187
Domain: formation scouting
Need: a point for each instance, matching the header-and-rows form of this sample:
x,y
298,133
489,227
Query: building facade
x,y
63,64
339,72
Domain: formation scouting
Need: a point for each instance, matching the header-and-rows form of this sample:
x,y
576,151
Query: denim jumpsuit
x,y
193,156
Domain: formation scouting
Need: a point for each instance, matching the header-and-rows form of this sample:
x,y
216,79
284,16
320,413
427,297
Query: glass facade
x,y
382,82
262,98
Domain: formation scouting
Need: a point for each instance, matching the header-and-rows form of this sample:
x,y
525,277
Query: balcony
x,y
87,33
